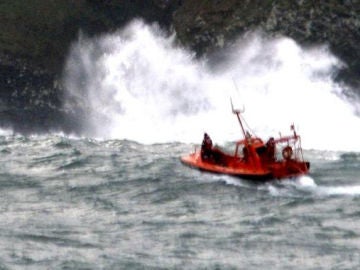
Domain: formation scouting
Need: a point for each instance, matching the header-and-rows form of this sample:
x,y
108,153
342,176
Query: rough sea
x,y
118,197
86,204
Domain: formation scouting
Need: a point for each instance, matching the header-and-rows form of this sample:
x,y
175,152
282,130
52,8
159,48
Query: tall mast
x,y
237,112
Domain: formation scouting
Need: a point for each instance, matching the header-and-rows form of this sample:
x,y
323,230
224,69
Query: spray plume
x,y
137,84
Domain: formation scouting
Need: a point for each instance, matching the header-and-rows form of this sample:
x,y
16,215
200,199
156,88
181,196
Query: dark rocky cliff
x,y
206,25
35,37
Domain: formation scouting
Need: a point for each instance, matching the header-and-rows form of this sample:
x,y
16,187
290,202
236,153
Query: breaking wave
x,y
138,84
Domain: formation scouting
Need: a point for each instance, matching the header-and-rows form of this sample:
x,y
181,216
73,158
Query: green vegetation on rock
x,y
38,30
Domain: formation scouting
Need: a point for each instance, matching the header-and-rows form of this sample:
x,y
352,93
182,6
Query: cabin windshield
x,y
240,149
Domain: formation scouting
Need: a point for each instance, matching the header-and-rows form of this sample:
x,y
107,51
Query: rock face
x,y
205,25
40,31
36,35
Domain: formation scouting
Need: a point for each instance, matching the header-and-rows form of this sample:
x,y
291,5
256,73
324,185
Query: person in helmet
x,y
270,149
206,147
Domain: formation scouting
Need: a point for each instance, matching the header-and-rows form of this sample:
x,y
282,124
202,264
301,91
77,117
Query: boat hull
x,y
230,165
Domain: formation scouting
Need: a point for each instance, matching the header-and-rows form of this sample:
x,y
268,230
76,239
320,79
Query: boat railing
x,y
295,143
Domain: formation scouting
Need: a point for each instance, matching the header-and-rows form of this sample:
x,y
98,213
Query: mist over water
x,y
137,84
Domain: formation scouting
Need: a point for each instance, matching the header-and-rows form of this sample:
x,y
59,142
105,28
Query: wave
x,y
137,84
6,132
304,186
340,190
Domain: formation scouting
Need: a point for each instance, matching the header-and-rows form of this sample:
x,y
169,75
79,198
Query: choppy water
x,y
71,203
85,204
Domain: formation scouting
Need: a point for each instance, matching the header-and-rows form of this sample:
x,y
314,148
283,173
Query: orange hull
x,y
235,166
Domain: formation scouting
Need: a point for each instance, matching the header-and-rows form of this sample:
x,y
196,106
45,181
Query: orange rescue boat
x,y
252,159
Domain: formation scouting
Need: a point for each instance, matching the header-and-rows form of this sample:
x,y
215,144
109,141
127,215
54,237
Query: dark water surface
x,y
85,204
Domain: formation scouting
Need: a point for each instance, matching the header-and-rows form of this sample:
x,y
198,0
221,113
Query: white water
x,y
136,84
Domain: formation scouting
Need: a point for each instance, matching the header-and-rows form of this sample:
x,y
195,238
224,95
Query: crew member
x,y
206,147
270,149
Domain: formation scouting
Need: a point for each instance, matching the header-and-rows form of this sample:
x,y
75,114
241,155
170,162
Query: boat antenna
x,y
237,89
238,112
